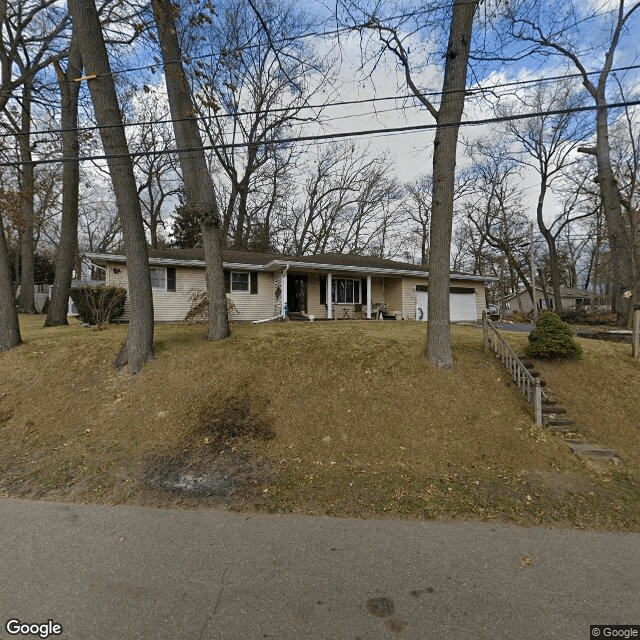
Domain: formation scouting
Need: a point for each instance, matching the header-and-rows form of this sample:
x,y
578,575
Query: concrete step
x,y
564,431
592,451
553,408
552,420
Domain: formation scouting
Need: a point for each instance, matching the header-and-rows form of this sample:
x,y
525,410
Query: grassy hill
x,y
343,418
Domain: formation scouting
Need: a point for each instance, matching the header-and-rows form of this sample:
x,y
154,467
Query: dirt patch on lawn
x,y
219,459
560,483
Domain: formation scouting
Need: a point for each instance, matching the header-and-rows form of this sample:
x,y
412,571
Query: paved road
x,y
126,572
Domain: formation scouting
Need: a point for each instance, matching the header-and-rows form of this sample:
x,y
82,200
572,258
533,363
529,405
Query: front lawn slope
x,y
342,418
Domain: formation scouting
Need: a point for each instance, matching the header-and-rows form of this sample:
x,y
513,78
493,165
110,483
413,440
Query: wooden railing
x,y
529,385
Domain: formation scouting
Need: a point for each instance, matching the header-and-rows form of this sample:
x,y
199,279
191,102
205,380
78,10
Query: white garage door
x,y
462,306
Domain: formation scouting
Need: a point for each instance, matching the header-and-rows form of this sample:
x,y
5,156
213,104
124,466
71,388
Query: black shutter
x,y
323,289
253,279
171,278
227,281
363,288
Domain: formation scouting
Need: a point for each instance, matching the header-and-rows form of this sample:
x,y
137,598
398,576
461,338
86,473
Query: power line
x,y
342,103
331,136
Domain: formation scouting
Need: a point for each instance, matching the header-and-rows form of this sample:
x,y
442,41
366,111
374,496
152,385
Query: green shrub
x,y
99,305
552,338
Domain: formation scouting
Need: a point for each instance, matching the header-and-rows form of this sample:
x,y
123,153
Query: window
x,y
158,278
163,279
239,281
245,281
345,291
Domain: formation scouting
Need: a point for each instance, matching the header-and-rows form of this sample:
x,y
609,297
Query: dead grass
x,y
362,425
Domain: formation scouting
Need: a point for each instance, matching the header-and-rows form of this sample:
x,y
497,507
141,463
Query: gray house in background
x,y
572,298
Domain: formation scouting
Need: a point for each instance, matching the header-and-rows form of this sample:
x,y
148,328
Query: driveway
x,y
514,326
109,573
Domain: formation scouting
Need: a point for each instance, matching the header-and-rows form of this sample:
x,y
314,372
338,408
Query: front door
x,y
297,293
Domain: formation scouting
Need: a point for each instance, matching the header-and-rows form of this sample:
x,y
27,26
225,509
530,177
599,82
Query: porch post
x,y
329,301
283,287
369,297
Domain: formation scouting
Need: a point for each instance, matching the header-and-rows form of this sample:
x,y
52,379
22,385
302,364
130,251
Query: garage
x,y
462,303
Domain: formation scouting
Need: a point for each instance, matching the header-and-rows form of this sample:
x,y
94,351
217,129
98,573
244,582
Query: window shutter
x,y
363,288
227,281
323,289
171,278
253,279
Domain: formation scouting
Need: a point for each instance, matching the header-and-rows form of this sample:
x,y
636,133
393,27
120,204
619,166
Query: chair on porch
x,y
357,312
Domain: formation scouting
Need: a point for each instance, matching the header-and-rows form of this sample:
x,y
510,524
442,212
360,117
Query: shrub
x,y
99,305
552,338
199,311
583,316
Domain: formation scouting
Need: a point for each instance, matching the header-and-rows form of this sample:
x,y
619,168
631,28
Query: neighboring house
x,y
571,299
324,286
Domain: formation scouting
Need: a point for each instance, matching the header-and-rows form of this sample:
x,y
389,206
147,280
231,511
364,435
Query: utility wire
x,y
341,103
330,136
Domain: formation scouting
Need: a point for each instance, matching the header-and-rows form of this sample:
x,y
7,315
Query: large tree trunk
x,y
9,328
621,246
444,165
68,246
26,299
199,189
138,348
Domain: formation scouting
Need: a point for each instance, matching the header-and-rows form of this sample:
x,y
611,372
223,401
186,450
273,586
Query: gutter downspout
x,y
283,289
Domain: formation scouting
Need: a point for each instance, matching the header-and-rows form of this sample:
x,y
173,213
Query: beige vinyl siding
x,y
172,306
313,298
168,306
255,306
481,302
393,295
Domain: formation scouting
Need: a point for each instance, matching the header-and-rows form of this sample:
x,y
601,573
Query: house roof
x,y
341,262
565,292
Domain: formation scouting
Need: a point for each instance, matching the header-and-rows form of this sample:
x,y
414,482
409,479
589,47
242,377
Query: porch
x,y
342,296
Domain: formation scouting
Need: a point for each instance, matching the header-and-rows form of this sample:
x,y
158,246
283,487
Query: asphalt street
x,y
128,572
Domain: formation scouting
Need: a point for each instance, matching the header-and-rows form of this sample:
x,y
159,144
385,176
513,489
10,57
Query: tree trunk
x,y
444,164
138,348
9,327
68,246
26,299
551,245
199,190
620,244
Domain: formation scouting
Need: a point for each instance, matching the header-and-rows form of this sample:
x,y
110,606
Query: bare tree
x,y
199,189
68,244
21,127
448,116
346,190
495,209
33,26
549,142
251,93
562,37
156,169
138,348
